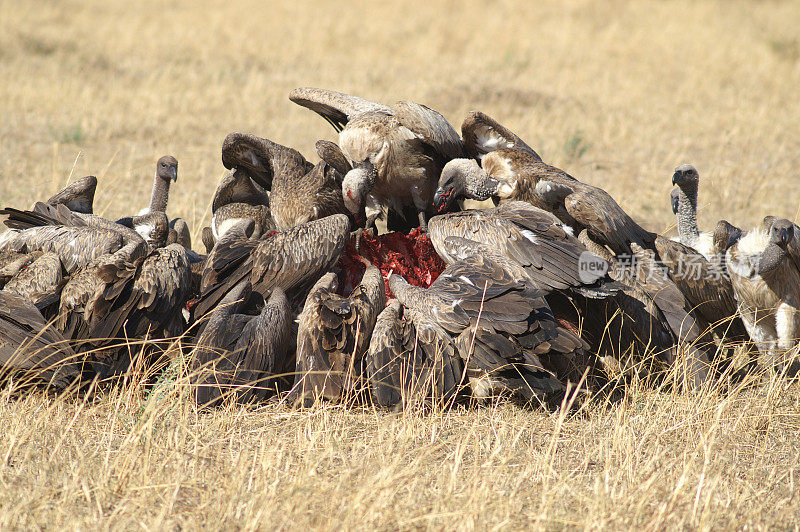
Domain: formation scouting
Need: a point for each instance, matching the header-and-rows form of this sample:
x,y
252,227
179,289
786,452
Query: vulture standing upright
x,y
766,281
687,179
396,153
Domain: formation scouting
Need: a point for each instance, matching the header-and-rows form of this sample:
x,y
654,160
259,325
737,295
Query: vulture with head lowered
x,y
243,356
518,173
292,260
333,337
502,330
395,153
299,191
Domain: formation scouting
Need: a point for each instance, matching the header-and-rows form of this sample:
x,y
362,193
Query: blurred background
x,y
617,93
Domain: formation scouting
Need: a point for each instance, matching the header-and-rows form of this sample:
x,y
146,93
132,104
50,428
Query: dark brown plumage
x,y
334,335
77,196
483,134
29,345
237,198
533,239
293,260
242,356
300,191
407,365
500,329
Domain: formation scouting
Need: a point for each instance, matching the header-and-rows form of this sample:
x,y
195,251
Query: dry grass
x,y
618,93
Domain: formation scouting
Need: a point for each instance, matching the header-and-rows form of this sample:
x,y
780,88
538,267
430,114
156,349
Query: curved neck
x,y
687,214
160,195
482,186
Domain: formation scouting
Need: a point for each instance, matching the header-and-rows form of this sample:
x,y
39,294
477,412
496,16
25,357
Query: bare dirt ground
x,y
617,93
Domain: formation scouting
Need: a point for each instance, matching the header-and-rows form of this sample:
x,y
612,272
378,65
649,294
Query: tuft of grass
x,y
71,134
576,145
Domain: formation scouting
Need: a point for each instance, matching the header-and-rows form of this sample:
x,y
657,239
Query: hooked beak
x,y
675,178
173,174
440,199
784,234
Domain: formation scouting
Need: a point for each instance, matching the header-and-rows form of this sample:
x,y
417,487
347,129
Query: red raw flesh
x,y
411,256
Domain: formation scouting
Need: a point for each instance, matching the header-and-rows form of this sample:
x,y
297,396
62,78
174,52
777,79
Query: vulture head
x,y
251,154
783,232
167,168
685,176
674,198
356,185
463,178
725,236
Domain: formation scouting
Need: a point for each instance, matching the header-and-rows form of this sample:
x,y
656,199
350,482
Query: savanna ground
x,y
617,93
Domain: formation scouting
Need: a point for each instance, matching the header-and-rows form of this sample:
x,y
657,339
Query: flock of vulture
x,y
300,298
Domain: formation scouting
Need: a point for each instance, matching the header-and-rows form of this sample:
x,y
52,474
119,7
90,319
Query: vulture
x,y
241,355
77,196
687,179
522,238
763,269
518,173
76,307
504,333
238,198
299,191
648,316
293,260
141,300
396,153
333,337
410,363
30,346
165,174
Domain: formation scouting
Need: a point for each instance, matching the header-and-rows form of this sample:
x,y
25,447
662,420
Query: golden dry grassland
x,y
617,93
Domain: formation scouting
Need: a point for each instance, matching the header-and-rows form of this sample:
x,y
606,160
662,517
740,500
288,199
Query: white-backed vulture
x,y
688,180
299,191
292,259
396,153
518,173
240,355
766,281
535,240
333,337
507,337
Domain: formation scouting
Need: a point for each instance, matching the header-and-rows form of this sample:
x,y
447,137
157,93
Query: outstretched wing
x,y
335,107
